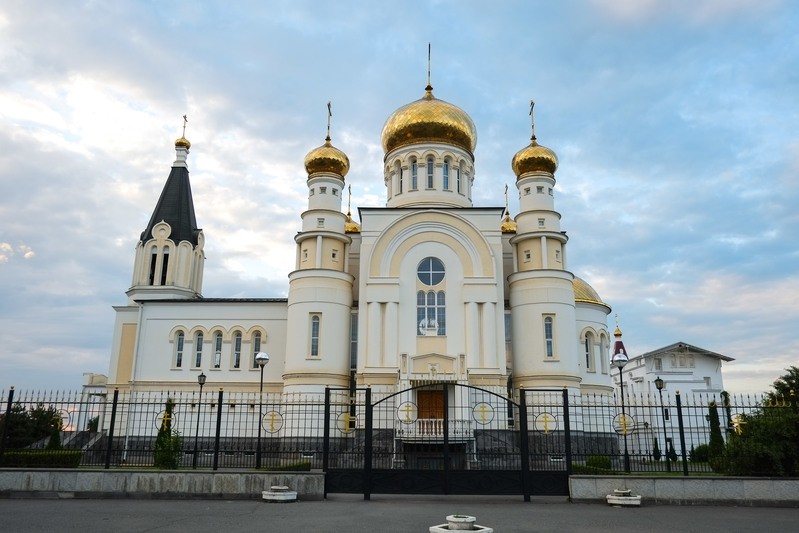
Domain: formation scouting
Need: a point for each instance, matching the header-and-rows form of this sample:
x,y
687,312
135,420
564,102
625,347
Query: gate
x,y
446,438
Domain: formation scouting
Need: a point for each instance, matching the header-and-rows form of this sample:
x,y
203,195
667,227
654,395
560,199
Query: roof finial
x,y
329,114
349,200
507,211
185,121
617,333
429,86
532,119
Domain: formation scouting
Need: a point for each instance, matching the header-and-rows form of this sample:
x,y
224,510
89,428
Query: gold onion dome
x,y
429,120
583,292
183,142
351,226
508,225
327,158
534,158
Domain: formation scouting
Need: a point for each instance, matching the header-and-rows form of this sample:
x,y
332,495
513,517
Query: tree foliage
x,y
656,453
168,448
766,441
28,426
716,444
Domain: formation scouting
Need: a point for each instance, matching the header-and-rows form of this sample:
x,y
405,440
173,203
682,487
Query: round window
x,y
430,271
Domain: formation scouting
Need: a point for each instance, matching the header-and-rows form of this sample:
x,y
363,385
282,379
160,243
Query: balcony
x,y
432,430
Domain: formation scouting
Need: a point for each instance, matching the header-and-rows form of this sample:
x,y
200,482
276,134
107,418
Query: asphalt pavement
x,y
383,514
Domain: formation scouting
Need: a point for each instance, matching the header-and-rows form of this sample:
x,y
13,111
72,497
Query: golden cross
x,y
273,417
329,114
428,64
483,409
546,419
532,119
409,408
623,424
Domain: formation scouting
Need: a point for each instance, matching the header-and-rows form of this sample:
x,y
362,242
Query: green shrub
x,y
592,471
599,461
42,458
168,449
299,466
656,453
700,454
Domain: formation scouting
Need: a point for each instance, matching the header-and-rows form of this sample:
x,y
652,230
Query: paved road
x,y
384,514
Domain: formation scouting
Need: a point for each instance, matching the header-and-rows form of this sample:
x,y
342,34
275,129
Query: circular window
x,y
430,271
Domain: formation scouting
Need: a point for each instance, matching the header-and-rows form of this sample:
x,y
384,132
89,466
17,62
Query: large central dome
x,y
429,120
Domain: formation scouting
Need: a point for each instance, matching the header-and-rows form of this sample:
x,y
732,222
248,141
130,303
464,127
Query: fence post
x,y
567,431
367,448
218,429
6,423
682,434
110,445
524,444
446,438
326,439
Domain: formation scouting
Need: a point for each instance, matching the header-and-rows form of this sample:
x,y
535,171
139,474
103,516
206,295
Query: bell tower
x,y
169,256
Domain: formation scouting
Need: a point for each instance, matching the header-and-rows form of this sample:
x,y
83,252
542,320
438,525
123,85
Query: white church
x,y
427,288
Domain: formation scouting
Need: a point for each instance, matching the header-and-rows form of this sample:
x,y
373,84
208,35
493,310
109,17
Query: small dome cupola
x,y
534,157
327,159
429,120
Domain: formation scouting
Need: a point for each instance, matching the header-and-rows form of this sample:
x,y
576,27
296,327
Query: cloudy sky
x,y
675,123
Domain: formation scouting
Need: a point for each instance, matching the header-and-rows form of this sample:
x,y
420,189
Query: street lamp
x,y
200,381
619,360
659,383
261,359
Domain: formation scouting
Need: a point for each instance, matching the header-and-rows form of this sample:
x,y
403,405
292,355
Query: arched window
x,y
217,349
237,349
153,261
548,337
198,350
429,172
589,352
414,175
399,177
256,347
458,180
179,339
315,335
431,304
164,265
446,175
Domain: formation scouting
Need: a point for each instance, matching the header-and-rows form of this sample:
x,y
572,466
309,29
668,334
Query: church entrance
x,y
445,438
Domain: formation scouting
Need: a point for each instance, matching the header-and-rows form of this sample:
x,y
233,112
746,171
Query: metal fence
x,y
218,429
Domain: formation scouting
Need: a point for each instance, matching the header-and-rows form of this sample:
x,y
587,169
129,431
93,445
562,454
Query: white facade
x,y
428,287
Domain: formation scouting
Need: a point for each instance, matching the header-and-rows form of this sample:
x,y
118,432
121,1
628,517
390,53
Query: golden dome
x,y
351,226
508,225
583,292
182,142
327,158
429,120
534,158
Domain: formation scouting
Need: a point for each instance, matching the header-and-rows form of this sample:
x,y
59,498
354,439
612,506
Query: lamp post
x,y
261,359
200,381
619,360
660,384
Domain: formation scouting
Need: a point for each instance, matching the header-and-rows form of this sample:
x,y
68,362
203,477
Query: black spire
x,y
176,208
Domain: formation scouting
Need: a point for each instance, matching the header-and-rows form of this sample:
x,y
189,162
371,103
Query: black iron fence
x,y
577,433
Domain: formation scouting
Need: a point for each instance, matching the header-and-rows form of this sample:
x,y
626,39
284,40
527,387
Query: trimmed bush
x,y
42,458
599,461
700,454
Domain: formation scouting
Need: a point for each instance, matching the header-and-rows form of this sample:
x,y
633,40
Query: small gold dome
x,y
327,158
534,158
508,225
429,120
351,226
583,292
182,142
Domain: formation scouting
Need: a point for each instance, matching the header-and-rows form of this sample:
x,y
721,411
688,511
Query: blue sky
x,y
675,123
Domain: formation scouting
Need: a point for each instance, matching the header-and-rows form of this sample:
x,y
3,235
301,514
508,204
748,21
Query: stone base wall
x,y
699,490
149,484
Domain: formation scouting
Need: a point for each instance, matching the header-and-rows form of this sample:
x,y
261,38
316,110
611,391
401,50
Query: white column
x,y
472,335
544,255
319,251
515,266
373,332
489,329
390,336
